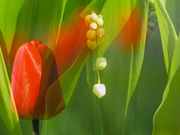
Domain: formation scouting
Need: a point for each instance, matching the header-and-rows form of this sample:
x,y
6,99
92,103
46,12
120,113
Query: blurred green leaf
x,y
81,115
10,120
137,54
9,13
40,19
149,90
166,117
169,108
172,8
168,33
70,77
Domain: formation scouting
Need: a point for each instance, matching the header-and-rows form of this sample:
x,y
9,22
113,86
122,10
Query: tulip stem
x,y
35,126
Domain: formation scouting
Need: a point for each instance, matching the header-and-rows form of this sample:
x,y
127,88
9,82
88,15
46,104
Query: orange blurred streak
x,y
71,40
131,32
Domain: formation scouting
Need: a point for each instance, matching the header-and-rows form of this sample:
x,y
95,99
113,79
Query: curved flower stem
x,y
98,77
35,126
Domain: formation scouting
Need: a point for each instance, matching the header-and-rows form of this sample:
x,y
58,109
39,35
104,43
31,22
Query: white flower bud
x,y
93,16
99,90
93,26
100,32
91,44
99,22
88,19
91,34
101,63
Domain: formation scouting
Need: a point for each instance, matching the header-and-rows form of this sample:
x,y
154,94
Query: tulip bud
x,y
91,34
99,90
36,93
93,26
101,63
91,44
100,32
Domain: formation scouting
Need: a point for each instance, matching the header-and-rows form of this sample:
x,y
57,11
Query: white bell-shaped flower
x,y
99,22
93,16
101,63
93,26
99,90
88,19
91,44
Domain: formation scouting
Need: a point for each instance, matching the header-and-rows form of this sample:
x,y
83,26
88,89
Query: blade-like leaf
x,y
169,108
10,120
168,33
166,119
9,11
137,55
38,19
149,89
173,8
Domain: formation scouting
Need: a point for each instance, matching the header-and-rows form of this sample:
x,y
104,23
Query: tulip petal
x,y
50,100
25,80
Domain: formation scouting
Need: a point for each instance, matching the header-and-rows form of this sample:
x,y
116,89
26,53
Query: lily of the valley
x,y
101,63
99,90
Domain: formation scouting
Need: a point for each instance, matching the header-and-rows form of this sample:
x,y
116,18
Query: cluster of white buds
x,y
95,23
95,31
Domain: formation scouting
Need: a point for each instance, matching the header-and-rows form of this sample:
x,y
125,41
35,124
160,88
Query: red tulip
x,y
35,86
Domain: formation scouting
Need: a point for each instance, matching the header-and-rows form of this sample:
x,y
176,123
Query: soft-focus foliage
x,y
141,77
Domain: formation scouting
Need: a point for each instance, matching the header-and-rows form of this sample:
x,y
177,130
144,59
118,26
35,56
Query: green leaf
x,y
10,120
173,7
149,90
70,77
169,108
137,54
9,11
166,117
168,33
38,19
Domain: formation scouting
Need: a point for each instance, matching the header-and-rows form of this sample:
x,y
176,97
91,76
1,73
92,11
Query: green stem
x,y
98,77
35,126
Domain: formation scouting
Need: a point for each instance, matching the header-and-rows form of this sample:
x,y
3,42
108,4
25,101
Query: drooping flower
x,y
101,63
99,90
34,82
